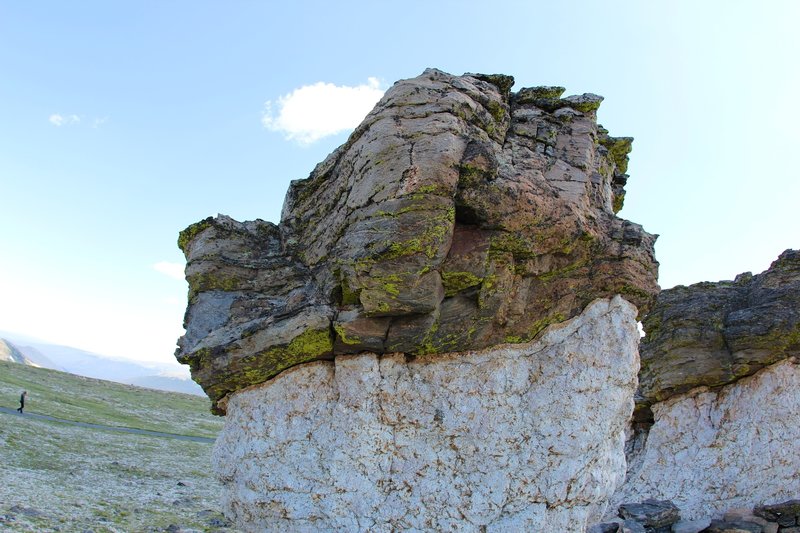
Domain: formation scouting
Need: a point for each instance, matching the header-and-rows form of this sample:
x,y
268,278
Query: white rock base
x,y
516,438
710,451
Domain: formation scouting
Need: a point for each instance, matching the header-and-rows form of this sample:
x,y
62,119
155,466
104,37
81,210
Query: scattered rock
x,y
26,511
655,515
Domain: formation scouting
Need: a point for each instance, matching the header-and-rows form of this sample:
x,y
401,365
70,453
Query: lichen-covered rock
x,y
457,216
525,437
711,334
710,450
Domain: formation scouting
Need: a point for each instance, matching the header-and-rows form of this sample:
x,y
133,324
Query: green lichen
x,y
585,107
210,281
428,243
186,236
564,271
349,296
519,247
534,95
542,323
308,345
618,150
619,201
455,282
345,338
497,110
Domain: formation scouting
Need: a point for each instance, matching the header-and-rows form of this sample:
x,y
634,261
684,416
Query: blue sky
x,y
123,122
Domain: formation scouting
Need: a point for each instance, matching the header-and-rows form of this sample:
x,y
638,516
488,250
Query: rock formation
x,y
433,337
526,437
719,383
457,216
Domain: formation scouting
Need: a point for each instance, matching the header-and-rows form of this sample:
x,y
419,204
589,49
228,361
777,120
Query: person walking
x,y
22,401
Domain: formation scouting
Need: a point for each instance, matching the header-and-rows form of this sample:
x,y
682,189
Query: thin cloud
x,y
58,120
173,270
312,112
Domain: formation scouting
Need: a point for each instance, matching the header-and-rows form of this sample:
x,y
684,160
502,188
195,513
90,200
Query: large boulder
x,y
457,216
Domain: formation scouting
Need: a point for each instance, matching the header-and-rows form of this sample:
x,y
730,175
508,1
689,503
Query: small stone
x,y
632,526
26,511
786,514
690,526
651,513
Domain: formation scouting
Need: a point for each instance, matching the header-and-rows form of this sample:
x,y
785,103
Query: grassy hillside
x,y
73,397
56,477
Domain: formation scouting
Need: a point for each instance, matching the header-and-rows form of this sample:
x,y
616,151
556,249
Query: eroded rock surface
x,y
457,216
720,381
712,450
711,334
525,437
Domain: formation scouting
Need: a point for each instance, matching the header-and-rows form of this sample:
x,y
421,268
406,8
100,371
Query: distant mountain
x,y
9,352
167,383
92,365
37,357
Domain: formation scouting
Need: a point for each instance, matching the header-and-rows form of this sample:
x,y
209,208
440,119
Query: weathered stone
x,y
711,334
605,527
653,514
623,526
711,450
457,216
786,514
525,437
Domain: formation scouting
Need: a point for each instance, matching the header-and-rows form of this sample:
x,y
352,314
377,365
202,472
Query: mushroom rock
x,y
442,328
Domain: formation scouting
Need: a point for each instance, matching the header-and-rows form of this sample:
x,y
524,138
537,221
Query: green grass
x,y
57,477
73,397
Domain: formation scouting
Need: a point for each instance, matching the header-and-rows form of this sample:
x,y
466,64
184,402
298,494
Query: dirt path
x,y
119,429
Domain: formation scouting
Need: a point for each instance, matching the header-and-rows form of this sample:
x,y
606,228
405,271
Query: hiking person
x,y
22,401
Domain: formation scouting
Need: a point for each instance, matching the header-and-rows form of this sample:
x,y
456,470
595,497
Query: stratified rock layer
x,y
526,437
457,216
711,334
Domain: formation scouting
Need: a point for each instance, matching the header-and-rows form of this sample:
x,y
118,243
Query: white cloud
x,y
315,111
173,270
99,122
57,119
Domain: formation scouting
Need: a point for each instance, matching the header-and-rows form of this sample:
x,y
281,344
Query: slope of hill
x,y
10,353
58,477
84,363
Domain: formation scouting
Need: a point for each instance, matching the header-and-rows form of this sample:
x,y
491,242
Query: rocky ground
x,y
57,477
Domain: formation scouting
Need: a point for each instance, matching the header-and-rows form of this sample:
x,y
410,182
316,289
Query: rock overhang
x,y
457,216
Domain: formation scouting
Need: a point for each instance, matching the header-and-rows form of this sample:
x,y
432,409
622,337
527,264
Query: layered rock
x,y
457,216
712,334
720,373
525,437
